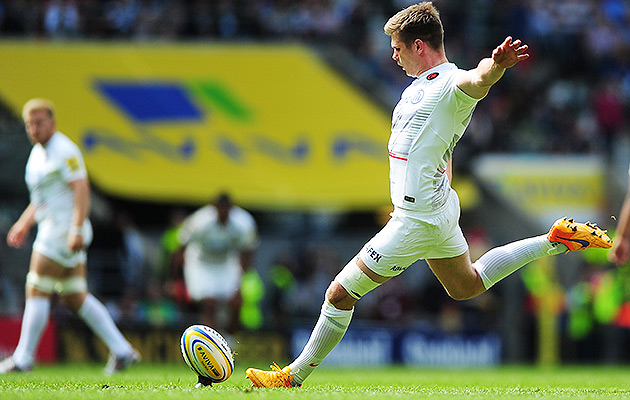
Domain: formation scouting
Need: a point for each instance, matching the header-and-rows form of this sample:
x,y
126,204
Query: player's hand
x,y
75,241
510,52
620,253
17,235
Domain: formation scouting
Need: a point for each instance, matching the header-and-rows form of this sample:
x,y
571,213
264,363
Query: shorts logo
x,y
374,255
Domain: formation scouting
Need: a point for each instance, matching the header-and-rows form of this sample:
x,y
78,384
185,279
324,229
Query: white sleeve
x,y
189,227
249,235
72,165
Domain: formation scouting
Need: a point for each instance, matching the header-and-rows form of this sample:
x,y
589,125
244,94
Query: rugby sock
x,y
96,316
328,332
35,319
500,262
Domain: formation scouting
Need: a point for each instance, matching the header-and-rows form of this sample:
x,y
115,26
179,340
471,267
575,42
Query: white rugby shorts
x,y
217,281
52,242
407,238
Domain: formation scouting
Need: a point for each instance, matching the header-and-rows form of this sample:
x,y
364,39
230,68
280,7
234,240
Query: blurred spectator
x,y
227,24
282,282
252,292
122,15
2,16
132,257
609,112
61,18
168,244
202,20
155,309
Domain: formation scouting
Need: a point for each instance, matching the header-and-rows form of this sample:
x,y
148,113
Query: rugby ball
x,y
207,353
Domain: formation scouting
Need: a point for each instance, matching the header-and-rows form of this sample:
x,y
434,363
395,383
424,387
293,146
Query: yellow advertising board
x,y
271,124
548,187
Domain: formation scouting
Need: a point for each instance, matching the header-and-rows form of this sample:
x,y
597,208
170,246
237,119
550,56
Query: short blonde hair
x,y
418,21
38,104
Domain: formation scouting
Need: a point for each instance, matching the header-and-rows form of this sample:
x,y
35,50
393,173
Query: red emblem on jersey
x,y
432,76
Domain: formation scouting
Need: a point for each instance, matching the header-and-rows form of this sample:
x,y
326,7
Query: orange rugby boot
x,y
577,235
270,379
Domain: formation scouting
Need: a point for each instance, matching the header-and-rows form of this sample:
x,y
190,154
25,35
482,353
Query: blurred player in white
x,y
620,252
429,119
59,204
218,243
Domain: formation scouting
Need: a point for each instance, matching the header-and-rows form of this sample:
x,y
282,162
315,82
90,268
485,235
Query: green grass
x,y
158,382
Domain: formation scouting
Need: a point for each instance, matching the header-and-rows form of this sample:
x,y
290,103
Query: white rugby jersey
x,y
427,122
209,241
49,170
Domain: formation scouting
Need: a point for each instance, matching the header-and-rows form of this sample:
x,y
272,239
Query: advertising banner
x,y
548,187
178,123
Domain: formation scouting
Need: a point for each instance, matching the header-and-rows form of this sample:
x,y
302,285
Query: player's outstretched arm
x,y
478,81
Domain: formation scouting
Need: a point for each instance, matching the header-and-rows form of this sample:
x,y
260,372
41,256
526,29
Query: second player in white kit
x,y
219,240
59,205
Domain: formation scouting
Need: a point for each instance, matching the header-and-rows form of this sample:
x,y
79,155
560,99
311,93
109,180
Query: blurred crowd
x,y
572,96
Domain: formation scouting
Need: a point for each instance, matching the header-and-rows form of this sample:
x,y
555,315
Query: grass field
x,y
158,382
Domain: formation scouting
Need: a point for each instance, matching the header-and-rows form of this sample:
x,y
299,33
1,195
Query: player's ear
x,y
418,45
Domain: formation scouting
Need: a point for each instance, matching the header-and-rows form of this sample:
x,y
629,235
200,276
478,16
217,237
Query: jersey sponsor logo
x,y
396,268
374,255
432,76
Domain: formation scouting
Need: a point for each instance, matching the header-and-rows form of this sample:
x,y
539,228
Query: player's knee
x,y
339,297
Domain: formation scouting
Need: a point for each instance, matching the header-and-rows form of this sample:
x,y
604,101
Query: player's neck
x,y
431,61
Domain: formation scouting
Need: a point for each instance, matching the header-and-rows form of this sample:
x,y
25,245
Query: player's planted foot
x,y
8,366
577,235
117,364
270,379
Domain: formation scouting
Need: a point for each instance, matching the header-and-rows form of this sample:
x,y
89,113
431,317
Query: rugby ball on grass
x,y
207,353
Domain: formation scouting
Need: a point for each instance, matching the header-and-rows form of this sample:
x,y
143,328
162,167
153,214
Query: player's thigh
x,y
42,265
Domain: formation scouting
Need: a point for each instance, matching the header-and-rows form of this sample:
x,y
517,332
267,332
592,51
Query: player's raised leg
x,y
463,279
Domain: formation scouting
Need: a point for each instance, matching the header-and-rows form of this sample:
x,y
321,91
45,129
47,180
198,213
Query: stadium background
x,y
286,104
